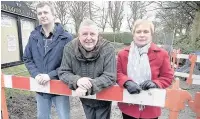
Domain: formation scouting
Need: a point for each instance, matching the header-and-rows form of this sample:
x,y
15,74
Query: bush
x,y
125,37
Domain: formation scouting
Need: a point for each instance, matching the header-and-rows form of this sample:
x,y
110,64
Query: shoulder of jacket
x,y
70,46
124,50
108,48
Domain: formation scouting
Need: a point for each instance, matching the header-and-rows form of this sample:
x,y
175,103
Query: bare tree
x,y
138,11
62,11
116,14
93,10
102,18
178,17
78,10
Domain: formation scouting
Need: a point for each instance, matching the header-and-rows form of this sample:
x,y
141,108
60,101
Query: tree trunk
x,y
196,30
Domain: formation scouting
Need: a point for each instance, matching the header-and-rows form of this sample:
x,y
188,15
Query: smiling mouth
x,y
88,42
142,40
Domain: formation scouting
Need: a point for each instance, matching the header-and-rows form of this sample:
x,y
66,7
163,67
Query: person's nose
x,y
42,15
142,34
89,37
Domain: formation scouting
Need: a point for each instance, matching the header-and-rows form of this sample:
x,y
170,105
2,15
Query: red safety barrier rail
x,y
156,97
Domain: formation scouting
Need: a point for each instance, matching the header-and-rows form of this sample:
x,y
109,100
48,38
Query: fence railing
x,y
156,97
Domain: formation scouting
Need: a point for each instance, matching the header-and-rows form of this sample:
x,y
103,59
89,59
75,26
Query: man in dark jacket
x,y
89,66
42,57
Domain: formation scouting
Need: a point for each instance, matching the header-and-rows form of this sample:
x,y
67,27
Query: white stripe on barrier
x,y
196,77
183,56
153,97
8,81
181,74
198,58
89,96
34,86
196,81
186,75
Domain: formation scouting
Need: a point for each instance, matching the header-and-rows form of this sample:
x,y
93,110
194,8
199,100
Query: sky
x,y
124,27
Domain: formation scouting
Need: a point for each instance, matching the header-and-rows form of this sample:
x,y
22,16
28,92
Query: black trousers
x,y
129,117
97,112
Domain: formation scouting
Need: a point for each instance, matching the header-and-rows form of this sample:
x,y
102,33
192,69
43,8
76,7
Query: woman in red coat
x,y
143,66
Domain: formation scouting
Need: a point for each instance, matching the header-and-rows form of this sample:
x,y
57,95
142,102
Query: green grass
x,y
19,70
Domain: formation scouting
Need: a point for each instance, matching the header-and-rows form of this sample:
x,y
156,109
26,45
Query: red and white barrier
x,y
185,56
192,79
156,97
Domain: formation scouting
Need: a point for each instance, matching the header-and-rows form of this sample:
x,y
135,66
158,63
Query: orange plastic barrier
x,y
193,59
195,105
3,100
175,105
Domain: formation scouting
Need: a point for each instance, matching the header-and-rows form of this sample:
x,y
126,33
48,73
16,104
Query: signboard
x,y
17,22
16,7
9,40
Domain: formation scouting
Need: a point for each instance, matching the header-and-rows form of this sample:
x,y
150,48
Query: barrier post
x,y
174,55
178,59
174,105
195,105
193,59
3,100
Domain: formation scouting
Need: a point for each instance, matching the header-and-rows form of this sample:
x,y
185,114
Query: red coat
x,y
162,75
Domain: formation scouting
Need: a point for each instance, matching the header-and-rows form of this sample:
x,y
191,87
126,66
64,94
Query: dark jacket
x,y
35,58
162,75
102,70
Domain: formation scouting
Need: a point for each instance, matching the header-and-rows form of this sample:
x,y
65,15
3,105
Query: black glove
x,y
146,85
132,87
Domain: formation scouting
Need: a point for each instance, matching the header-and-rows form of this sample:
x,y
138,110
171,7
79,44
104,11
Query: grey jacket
x,y
102,70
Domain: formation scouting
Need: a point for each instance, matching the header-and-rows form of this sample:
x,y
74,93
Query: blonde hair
x,y
142,21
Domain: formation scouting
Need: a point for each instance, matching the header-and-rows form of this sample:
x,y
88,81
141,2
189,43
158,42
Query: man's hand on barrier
x,y
132,87
84,83
146,85
38,78
44,79
80,92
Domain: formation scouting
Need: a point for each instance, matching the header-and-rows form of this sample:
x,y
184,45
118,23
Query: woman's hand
x,y
132,87
146,85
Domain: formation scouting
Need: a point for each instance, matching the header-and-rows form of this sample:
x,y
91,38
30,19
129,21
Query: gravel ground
x,y
24,107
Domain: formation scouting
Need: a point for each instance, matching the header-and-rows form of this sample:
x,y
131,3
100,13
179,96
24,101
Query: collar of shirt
x,y
50,34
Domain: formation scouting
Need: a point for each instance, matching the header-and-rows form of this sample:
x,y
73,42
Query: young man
x,y
89,66
42,57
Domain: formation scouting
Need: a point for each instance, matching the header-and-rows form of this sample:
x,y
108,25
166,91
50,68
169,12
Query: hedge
x,y
124,37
